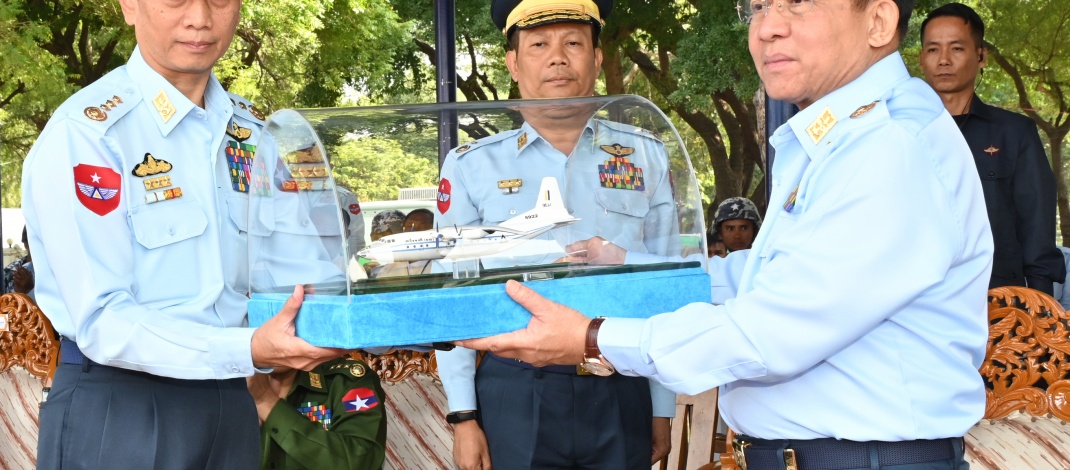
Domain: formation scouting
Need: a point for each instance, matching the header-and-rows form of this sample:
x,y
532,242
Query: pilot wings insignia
x,y
237,132
618,150
151,166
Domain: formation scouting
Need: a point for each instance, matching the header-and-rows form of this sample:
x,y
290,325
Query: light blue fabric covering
x,y
425,316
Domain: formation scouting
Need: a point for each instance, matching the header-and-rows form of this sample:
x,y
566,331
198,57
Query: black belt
x,y
554,369
835,454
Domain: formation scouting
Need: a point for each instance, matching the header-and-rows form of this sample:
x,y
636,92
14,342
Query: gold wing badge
x,y
151,166
237,132
618,150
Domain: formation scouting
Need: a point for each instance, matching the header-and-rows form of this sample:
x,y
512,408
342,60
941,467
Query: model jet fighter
x,y
473,241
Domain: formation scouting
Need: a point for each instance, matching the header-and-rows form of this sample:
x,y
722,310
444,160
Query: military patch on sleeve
x,y
360,399
98,188
444,188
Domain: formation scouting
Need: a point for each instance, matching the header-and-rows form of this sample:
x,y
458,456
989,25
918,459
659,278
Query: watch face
x,y
597,367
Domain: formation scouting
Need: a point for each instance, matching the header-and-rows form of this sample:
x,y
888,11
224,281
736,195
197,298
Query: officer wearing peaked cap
x,y
532,417
135,197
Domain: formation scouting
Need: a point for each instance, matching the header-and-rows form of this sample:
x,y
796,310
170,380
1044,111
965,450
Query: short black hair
x,y
958,10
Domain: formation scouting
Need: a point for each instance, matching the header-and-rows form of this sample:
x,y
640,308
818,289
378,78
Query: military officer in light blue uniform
x,y
850,344
615,179
135,199
616,182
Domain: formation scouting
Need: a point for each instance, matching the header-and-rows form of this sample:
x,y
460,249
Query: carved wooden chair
x,y
1027,380
29,352
417,434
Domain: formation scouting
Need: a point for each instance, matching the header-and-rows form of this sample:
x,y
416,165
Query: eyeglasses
x,y
751,10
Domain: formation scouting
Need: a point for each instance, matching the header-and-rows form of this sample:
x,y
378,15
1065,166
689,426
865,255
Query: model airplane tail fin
x,y
549,209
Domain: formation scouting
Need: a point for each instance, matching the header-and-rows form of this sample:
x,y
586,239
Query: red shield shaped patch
x,y
444,188
354,209
97,188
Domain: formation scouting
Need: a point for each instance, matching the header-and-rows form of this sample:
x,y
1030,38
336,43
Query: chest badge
x,y
992,150
510,186
238,133
822,125
151,166
618,172
316,412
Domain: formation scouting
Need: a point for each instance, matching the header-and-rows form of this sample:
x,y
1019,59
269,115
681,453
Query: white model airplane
x,y
473,241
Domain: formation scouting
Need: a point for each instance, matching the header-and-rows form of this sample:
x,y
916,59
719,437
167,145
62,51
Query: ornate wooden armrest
x,y
26,337
1027,365
396,366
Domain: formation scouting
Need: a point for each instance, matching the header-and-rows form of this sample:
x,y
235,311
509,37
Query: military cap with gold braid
x,y
526,14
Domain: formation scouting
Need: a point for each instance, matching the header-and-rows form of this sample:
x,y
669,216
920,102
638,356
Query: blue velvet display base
x,y
426,316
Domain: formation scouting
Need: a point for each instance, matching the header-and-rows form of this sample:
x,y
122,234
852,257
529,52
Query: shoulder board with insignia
x,y
247,110
350,367
490,139
629,129
104,102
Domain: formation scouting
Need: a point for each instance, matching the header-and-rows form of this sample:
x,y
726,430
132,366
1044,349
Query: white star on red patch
x,y
96,178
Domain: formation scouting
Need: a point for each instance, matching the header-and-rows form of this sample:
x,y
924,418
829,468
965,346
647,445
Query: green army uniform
x,y
333,417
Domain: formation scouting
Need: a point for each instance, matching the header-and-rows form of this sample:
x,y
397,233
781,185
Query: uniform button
x,y
274,430
512,211
991,174
129,90
200,114
171,230
234,369
304,222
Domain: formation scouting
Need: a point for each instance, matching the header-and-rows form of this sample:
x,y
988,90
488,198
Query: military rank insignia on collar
x,y
822,125
163,106
151,166
315,380
520,141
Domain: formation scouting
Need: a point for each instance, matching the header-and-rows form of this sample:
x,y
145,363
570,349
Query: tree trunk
x,y
1061,199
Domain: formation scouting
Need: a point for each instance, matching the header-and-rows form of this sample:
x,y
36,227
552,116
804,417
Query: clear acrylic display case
x,y
592,201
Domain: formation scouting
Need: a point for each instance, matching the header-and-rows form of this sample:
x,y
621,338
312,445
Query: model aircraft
x,y
473,241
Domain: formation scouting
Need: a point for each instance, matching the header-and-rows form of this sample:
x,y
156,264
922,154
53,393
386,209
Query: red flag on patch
x,y
97,188
444,195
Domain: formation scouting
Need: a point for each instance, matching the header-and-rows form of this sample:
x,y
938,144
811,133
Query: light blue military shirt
x,y
136,201
616,181
861,311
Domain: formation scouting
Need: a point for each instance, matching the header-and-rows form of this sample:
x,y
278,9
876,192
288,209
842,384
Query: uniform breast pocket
x,y
995,167
623,205
159,226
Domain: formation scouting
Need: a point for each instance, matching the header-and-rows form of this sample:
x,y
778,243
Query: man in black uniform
x,y
1018,183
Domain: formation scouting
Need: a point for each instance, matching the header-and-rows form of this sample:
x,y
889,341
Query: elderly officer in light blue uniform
x,y
135,198
849,344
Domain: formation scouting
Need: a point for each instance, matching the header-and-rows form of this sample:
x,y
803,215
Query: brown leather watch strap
x,y
591,346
